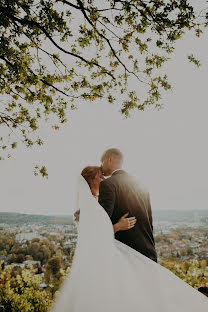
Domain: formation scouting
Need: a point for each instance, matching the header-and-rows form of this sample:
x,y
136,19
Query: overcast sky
x,y
167,149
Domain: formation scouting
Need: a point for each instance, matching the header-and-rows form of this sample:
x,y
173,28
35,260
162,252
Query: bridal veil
x,y
108,276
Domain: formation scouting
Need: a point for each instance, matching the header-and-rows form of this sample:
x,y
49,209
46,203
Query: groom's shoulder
x,y
129,180
107,184
116,177
109,181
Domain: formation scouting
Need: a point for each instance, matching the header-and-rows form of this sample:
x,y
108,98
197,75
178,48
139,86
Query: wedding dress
x,y
109,276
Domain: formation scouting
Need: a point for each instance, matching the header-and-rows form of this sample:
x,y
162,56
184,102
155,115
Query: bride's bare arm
x,y
124,223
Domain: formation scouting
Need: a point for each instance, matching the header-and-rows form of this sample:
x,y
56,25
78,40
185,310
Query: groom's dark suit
x,y
121,193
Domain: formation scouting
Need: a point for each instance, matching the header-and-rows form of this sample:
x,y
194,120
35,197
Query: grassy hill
x,y
158,215
14,218
176,215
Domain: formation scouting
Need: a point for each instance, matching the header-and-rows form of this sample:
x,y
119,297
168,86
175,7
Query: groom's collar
x,y
118,171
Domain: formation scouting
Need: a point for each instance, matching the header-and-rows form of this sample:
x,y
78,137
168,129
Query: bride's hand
x,y
124,223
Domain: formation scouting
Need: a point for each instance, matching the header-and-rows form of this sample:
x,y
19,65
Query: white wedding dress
x,y
108,276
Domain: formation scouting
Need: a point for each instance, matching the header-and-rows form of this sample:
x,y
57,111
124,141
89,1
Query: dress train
x,y
109,276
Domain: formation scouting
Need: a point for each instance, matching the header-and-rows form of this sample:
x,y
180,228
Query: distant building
x,y
43,285
71,235
27,236
68,244
195,248
184,258
27,257
19,265
31,262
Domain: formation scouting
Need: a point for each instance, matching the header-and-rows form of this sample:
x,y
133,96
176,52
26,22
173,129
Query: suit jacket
x,y
121,193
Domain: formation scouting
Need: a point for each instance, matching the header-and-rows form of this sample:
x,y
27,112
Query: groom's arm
x,y
107,197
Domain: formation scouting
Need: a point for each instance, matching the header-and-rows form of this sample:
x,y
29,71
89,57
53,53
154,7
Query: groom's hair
x,y
113,152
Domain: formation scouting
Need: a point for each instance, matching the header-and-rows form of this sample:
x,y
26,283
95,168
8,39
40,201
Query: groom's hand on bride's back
x,y
125,223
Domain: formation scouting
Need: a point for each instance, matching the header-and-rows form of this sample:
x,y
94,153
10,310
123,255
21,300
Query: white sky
x,y
167,149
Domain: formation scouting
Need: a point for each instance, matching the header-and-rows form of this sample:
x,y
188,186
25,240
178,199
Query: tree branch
x,y
107,40
33,23
42,80
70,4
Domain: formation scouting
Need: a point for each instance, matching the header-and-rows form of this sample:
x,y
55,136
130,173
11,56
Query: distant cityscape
x,y
179,235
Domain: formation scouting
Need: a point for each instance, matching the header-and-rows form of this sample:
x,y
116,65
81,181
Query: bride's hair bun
x,y
89,173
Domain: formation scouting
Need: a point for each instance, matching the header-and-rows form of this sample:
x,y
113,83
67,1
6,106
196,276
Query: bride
x,y
109,276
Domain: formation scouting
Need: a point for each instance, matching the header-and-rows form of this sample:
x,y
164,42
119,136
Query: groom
x,y
121,193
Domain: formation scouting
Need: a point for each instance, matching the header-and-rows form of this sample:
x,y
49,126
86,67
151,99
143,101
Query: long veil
x,y
108,276
93,260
